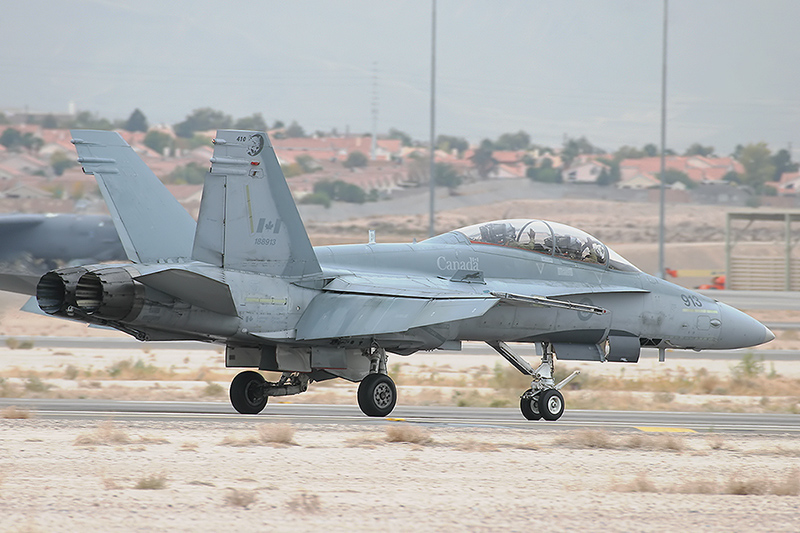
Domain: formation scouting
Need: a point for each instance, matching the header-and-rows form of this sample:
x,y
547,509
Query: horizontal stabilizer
x,y
193,288
151,224
19,283
332,315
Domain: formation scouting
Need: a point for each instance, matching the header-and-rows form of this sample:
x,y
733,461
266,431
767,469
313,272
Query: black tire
x,y
246,393
377,395
530,407
551,404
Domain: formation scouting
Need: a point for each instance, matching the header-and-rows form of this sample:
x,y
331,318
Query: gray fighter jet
x,y
246,276
54,238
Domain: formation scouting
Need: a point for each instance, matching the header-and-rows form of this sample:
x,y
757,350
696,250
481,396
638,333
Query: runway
x,y
223,413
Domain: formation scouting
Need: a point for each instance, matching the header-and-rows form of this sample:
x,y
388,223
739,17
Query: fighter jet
x,y
246,276
54,238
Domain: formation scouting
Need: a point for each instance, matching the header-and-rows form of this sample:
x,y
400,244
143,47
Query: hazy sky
x,y
550,68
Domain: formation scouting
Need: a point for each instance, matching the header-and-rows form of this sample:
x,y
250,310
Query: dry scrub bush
x,y
641,484
189,446
586,438
790,486
240,498
276,434
304,502
106,434
282,434
408,433
13,412
152,482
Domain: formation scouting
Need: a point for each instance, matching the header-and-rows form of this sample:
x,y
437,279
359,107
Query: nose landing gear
x,y
543,399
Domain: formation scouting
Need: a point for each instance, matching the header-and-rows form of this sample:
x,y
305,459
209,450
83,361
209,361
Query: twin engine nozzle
x,y
106,292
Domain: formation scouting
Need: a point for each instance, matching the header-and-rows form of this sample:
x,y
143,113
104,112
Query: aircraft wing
x,y
334,315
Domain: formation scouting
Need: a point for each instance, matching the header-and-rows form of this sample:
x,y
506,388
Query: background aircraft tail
x,y
151,224
248,219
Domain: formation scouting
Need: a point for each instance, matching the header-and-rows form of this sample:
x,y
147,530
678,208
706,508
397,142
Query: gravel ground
x,y
79,476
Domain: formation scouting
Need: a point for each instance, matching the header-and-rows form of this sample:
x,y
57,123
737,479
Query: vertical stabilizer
x,y
248,219
151,224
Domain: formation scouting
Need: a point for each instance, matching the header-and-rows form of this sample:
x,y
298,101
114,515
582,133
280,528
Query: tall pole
x,y
661,212
433,120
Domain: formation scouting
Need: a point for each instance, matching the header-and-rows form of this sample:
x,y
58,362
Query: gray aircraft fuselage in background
x,y
59,238
245,275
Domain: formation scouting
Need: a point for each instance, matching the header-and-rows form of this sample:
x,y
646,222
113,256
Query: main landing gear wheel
x,y
247,393
530,407
551,404
377,395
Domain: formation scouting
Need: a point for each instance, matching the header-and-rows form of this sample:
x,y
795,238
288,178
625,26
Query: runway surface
x,y
223,413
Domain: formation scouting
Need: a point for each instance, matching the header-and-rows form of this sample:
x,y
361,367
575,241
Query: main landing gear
x,y
543,399
377,394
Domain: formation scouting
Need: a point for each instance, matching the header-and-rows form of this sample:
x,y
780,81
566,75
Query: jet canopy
x,y
548,238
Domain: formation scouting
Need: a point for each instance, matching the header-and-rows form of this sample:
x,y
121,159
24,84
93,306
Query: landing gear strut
x,y
543,399
377,394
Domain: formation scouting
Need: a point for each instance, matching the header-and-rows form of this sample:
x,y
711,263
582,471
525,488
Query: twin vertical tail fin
x,y
151,224
248,219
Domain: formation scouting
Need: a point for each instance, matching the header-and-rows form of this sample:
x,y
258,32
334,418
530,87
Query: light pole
x,y
431,227
662,190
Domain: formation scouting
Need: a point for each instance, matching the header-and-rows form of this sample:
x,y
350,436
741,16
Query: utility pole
x,y
374,146
431,227
662,190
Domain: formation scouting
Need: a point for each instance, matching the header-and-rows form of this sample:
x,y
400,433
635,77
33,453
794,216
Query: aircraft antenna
x,y
662,189
431,175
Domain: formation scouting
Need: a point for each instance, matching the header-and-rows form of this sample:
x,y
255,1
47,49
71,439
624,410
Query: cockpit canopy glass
x,y
549,238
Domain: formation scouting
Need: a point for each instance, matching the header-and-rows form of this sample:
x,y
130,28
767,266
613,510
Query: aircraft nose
x,y
739,330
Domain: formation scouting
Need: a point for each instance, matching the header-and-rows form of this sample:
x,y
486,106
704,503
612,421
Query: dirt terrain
x,y
186,476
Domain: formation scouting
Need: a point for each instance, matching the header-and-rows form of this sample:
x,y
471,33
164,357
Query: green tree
x,y
340,190
699,149
782,160
61,162
483,159
732,177
545,172
254,122
355,159
513,141
294,130
158,141
291,170
307,163
671,176
575,147
650,150
447,143
11,138
88,120
404,138
629,152
3,118
446,175
278,124
136,122
202,119
758,166
319,198
193,174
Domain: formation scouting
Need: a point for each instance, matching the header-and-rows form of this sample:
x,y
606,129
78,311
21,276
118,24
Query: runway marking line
x,y
665,430
396,419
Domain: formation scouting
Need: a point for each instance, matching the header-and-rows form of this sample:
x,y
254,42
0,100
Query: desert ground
x,y
166,476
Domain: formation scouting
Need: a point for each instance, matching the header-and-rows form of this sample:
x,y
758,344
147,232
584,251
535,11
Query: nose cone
x,y
739,330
